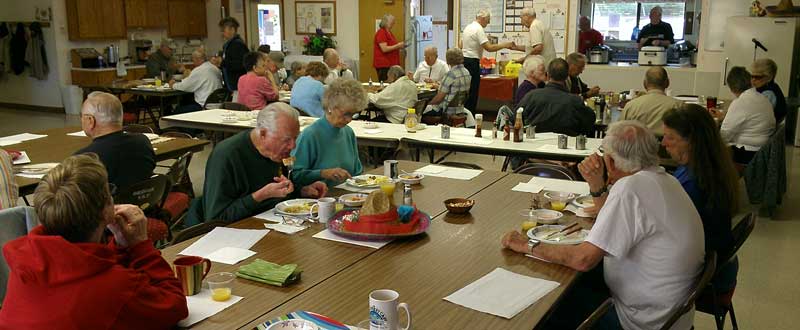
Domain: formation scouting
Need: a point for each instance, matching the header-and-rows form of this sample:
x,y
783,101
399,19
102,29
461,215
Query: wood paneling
x,y
187,18
146,13
368,12
96,19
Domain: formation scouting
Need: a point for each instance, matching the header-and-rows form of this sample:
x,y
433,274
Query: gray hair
x,y
531,64
454,56
483,13
327,53
632,146
104,107
575,57
297,65
528,11
738,80
199,54
396,71
385,20
345,94
268,116
764,66
431,49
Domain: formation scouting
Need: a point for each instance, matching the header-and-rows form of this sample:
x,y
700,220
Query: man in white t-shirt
x,y
540,41
432,69
648,235
474,41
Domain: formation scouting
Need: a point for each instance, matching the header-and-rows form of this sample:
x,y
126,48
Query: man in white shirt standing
x,y
397,97
749,121
204,79
432,69
336,69
474,42
540,41
648,235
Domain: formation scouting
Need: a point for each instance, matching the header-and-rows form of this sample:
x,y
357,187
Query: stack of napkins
x,y
270,273
502,293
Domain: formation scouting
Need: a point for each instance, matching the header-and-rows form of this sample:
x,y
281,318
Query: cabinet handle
x,y
725,73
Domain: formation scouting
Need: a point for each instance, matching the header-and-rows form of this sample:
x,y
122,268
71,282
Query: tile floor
x,y
766,297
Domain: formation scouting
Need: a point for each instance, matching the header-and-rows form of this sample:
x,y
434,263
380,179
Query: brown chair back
x,y
136,128
234,106
147,194
218,96
688,304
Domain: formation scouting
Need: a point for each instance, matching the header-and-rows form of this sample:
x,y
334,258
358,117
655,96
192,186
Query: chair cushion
x,y
176,203
130,117
156,229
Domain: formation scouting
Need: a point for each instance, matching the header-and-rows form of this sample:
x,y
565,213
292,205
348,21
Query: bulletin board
x,y
313,15
553,13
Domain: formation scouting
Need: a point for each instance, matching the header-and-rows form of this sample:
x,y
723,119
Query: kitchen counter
x,y
636,66
127,67
626,76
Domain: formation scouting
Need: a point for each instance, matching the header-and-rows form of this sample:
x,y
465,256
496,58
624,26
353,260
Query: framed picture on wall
x,y
313,15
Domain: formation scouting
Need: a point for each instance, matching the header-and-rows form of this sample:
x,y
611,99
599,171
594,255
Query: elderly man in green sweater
x,y
244,174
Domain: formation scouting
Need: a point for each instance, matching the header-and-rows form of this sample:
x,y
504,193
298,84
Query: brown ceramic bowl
x,y
459,205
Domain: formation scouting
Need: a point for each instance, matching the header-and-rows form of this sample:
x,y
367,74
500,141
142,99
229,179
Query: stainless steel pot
x,y
112,54
599,55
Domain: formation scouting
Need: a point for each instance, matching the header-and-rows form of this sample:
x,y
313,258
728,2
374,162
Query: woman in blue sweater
x,y
327,150
707,174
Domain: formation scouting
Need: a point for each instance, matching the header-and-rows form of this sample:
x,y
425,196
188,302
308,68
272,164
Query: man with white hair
x,y
657,32
397,97
648,235
129,157
432,69
540,40
204,79
577,62
474,42
535,76
245,174
336,68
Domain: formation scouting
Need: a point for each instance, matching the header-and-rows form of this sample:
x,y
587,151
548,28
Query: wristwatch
x,y
532,243
599,192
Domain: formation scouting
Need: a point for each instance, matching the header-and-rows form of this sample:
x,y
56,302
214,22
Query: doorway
x,y
370,13
265,24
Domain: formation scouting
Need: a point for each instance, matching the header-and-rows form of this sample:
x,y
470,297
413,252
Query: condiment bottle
x,y
478,124
411,120
518,126
408,199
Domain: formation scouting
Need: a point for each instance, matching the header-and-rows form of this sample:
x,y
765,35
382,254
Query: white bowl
x,y
411,178
543,216
294,324
353,200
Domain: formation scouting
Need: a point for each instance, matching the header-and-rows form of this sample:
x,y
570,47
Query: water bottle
x,y
370,82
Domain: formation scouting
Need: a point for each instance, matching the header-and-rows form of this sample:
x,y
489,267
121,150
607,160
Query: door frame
x,y
251,27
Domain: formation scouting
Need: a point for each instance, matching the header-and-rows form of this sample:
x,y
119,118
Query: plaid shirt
x,y
456,80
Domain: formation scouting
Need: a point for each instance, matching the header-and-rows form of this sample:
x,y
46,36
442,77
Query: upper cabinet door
x,y
187,18
146,13
96,19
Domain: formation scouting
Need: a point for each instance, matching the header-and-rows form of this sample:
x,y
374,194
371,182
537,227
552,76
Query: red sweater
x,y
55,284
381,59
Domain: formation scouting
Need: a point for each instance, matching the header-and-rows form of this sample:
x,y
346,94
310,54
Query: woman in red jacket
x,y
63,277
387,48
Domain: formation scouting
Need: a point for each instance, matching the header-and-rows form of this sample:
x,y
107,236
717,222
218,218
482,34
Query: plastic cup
x,y
221,285
388,189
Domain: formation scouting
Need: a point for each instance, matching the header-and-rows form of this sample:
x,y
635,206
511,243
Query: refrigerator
x,y
781,38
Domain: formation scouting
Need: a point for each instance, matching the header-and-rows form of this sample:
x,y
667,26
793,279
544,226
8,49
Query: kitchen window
x,y
617,19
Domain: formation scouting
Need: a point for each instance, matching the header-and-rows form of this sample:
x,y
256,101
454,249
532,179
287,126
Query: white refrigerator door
x,y
778,36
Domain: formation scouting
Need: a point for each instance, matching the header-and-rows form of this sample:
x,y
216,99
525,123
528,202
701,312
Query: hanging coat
x,y
5,56
35,54
18,46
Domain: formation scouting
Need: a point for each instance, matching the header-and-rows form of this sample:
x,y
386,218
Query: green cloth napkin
x,y
270,273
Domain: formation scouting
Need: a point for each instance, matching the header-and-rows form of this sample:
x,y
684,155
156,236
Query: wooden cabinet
x,y
146,13
187,18
94,78
96,19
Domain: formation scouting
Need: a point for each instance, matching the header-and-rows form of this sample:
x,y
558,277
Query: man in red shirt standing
x,y
387,48
588,37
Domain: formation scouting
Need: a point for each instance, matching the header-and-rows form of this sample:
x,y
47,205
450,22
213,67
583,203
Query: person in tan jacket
x,y
650,108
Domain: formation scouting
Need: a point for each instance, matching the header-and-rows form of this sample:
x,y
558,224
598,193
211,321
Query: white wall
x,y
24,89
346,28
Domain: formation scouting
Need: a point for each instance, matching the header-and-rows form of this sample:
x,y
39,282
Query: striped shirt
x,y
456,80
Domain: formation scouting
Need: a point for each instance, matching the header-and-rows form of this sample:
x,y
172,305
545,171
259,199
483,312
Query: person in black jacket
x,y
129,158
762,76
554,109
233,52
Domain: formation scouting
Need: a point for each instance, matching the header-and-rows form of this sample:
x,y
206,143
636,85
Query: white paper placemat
x,y
348,187
18,138
222,237
328,235
230,255
31,176
449,172
552,148
528,187
372,131
78,133
24,159
283,228
463,140
502,293
201,306
577,187
269,215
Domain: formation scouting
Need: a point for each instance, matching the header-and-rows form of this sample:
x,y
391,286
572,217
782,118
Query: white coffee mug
x,y
384,307
326,206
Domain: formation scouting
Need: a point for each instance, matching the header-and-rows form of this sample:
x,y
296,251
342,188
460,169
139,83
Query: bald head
x,y
656,78
331,57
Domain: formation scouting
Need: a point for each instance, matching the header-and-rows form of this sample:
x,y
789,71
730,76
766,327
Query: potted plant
x,y
317,43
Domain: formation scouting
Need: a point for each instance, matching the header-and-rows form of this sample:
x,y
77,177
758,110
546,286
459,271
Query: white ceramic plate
x,y
367,181
353,200
411,178
543,216
583,201
298,207
540,232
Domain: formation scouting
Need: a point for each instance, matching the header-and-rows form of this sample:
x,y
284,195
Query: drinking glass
x,y
220,285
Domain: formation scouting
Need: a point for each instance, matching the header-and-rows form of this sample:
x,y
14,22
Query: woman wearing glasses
x,y
762,76
327,150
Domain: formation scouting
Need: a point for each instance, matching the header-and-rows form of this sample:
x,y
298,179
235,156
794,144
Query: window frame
x,y
640,17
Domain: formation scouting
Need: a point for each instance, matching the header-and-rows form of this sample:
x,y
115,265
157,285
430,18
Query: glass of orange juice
x,y
220,285
388,189
558,200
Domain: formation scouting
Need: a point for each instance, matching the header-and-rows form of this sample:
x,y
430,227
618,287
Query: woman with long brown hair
x,y
708,175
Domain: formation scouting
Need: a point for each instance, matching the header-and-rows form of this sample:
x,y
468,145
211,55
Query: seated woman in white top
x,y
749,121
